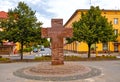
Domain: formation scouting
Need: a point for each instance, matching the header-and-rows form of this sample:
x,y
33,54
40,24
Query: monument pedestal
x,y
57,62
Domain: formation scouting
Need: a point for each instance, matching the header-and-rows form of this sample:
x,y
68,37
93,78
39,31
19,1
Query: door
x,y
115,48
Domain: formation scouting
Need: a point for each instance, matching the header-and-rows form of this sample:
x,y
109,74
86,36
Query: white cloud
x,y
48,9
106,4
46,22
64,8
5,5
34,1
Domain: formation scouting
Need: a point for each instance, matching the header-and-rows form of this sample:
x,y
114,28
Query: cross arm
x,y
44,33
68,32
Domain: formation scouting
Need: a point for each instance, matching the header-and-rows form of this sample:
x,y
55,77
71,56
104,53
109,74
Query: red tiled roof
x,y
3,14
9,44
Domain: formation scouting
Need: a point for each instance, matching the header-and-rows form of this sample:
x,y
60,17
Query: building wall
x,y
17,46
82,47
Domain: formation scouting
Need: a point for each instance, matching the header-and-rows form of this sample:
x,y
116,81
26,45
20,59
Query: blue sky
x,y
48,9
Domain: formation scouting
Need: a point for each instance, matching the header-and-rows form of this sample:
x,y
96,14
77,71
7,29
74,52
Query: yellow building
x,y
111,15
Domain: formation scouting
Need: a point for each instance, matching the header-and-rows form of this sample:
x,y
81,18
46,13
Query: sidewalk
x,y
110,71
69,53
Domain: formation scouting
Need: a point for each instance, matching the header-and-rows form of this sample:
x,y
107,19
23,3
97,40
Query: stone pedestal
x,y
57,62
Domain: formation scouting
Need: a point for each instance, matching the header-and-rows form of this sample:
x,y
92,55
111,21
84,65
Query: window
x,y
115,20
116,31
105,46
116,47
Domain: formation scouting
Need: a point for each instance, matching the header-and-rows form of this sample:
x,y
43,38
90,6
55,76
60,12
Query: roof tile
x,y
3,14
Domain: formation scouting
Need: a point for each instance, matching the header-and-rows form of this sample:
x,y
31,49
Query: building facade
x,y
111,15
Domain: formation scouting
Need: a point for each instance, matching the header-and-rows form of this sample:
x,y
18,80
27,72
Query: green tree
x,y
93,28
2,33
1,36
45,42
21,25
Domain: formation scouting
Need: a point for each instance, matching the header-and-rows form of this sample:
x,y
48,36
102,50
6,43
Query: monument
x,y
57,71
57,32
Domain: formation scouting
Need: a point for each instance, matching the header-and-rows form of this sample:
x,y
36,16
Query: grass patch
x,y
4,59
77,58
107,56
72,58
66,58
43,58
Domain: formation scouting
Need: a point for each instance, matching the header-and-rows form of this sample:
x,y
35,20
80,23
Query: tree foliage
x,y
93,28
22,26
1,36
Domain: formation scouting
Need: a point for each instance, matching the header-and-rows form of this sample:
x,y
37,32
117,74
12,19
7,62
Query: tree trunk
x,y
89,45
21,51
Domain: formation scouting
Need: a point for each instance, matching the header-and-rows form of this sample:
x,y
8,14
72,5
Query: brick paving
x,y
69,71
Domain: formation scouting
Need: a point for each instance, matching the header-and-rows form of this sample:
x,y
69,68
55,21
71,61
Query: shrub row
x,y
77,58
106,56
4,59
27,49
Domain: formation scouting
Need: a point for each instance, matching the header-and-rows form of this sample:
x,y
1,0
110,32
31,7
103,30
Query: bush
x,y
77,58
4,59
68,58
112,56
43,58
72,58
107,56
27,49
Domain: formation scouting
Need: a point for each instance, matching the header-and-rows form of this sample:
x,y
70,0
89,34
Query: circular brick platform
x,y
66,72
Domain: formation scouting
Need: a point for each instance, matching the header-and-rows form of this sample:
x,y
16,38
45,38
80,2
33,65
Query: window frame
x,y
105,46
116,31
115,20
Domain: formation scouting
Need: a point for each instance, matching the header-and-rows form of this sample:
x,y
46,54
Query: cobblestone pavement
x,y
67,72
110,71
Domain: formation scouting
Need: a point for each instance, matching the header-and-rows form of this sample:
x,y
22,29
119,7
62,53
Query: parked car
x,y
35,50
42,48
